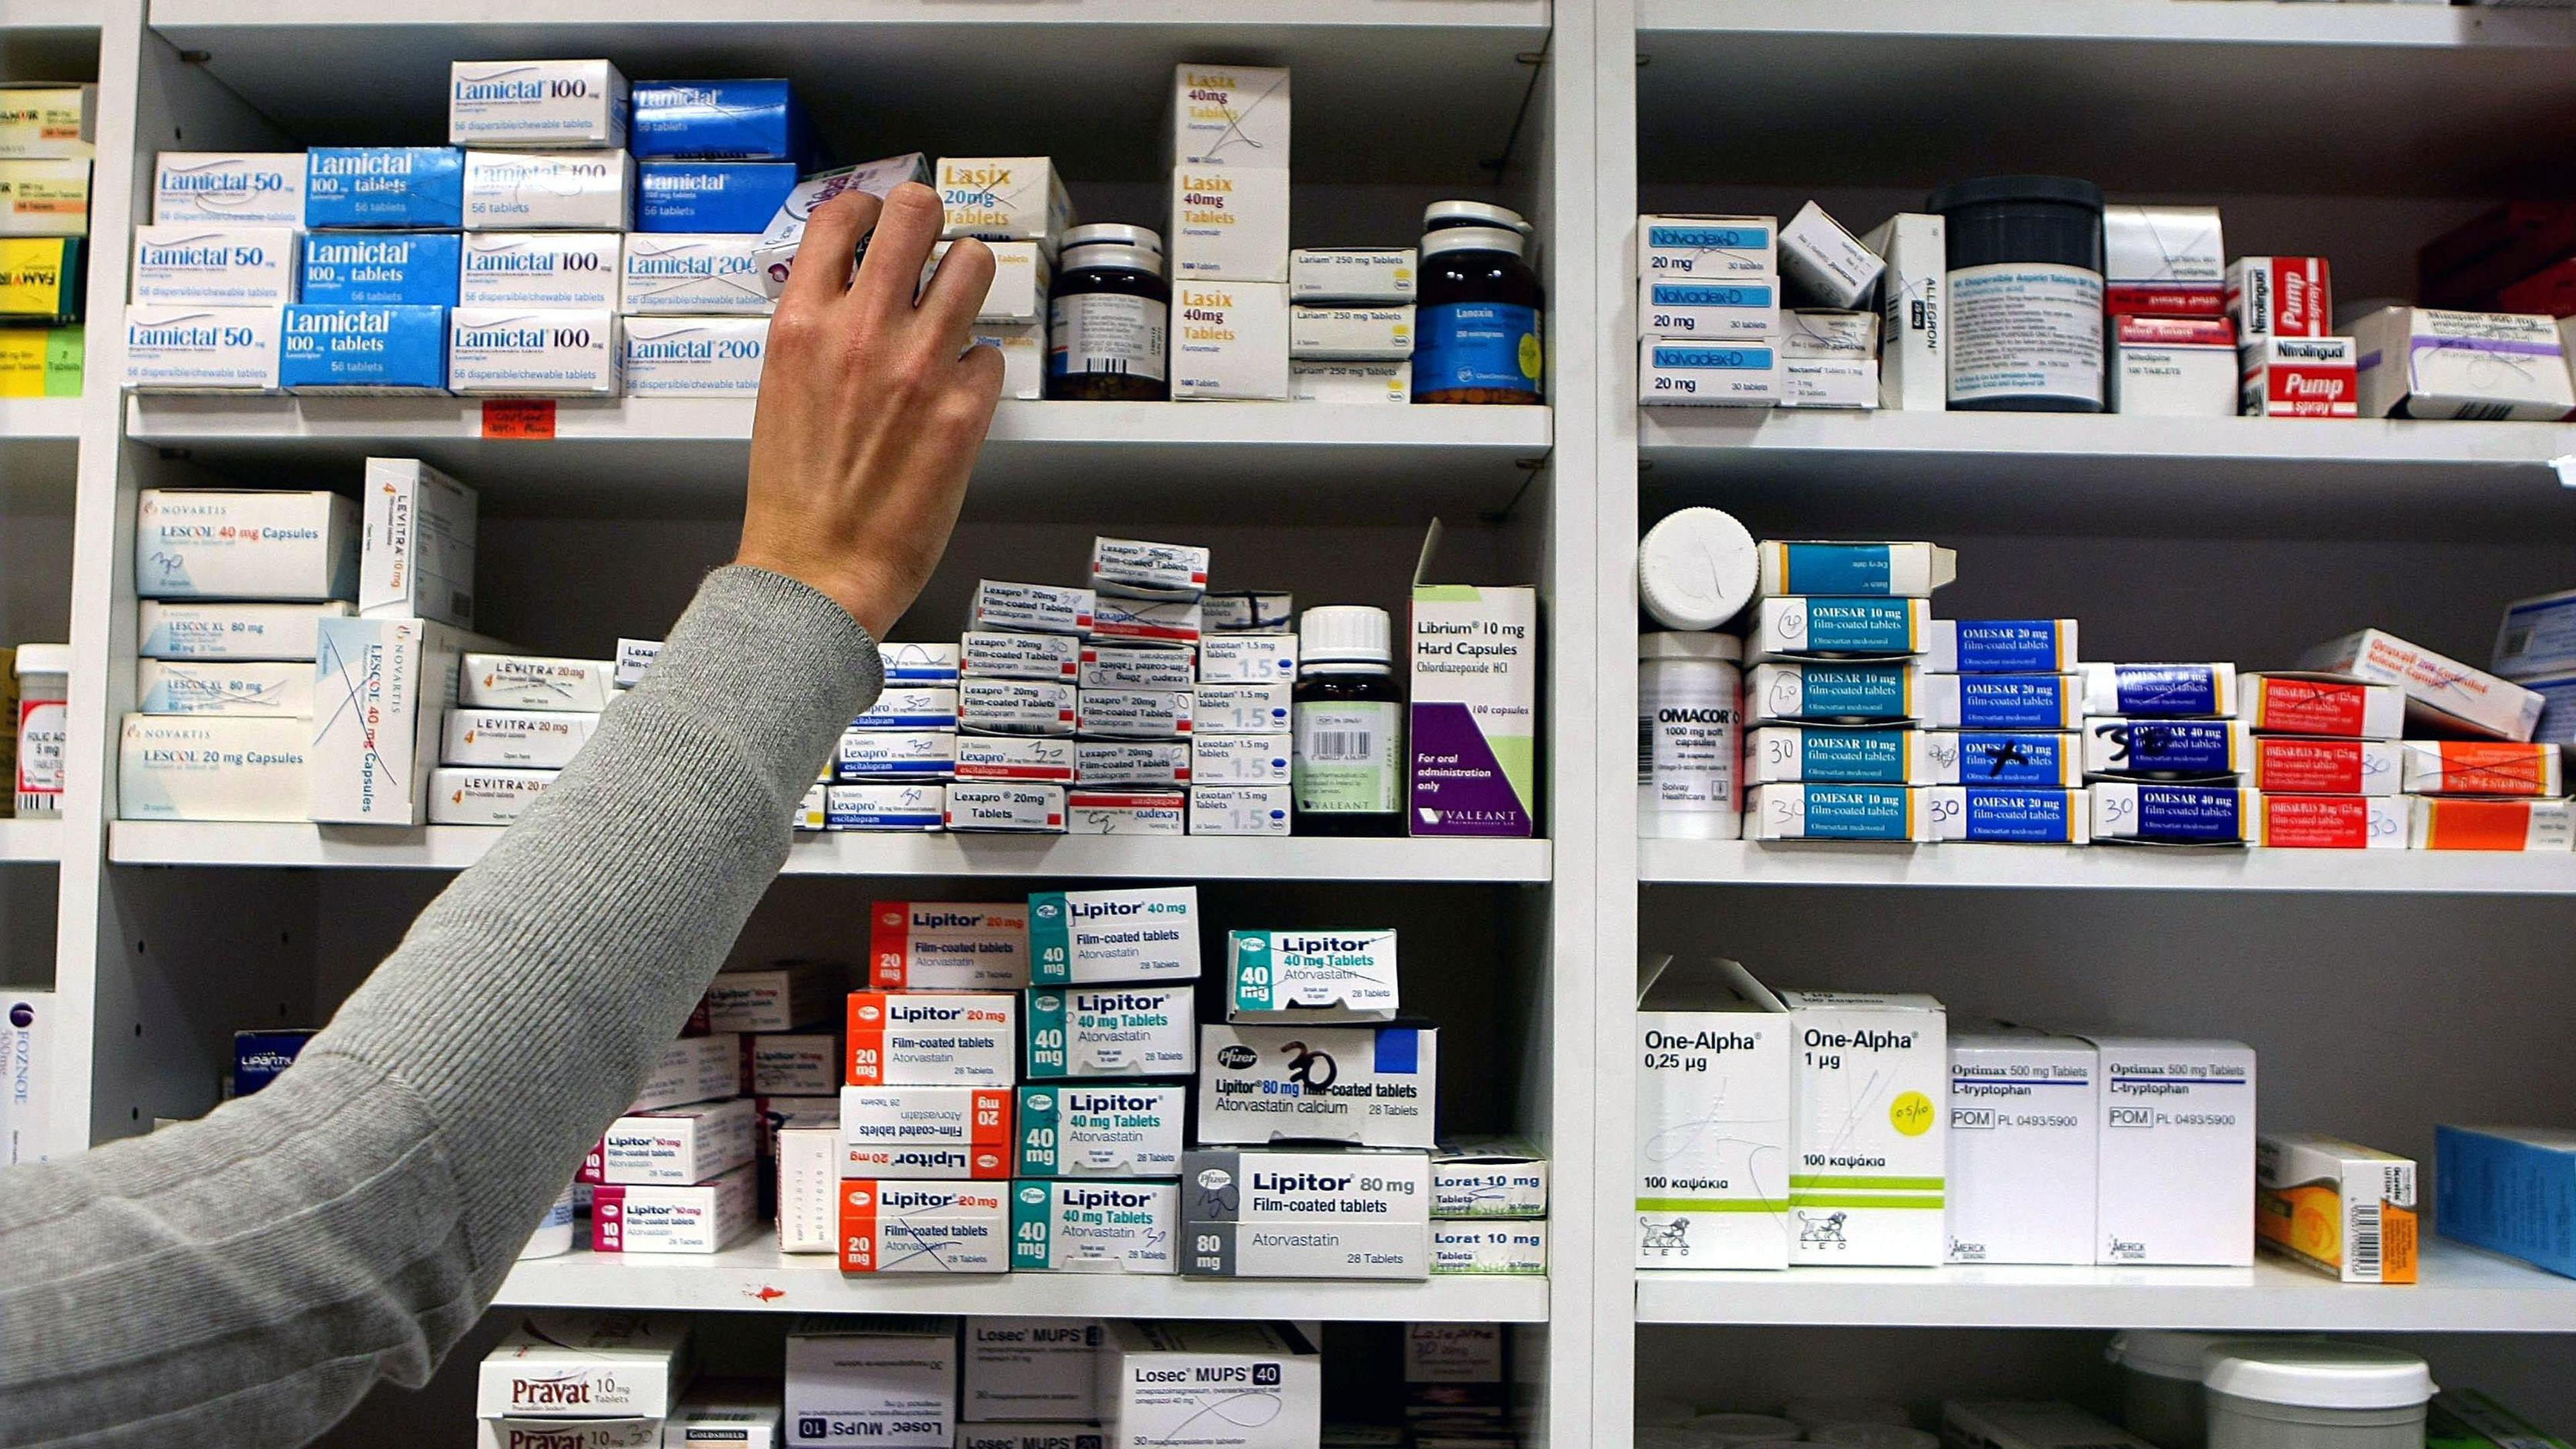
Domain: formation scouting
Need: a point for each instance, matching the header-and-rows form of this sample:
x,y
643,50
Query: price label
x,y
519,419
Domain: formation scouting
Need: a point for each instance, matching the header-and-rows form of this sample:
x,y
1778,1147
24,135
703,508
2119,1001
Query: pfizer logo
x,y
891,918
1041,1102
861,1197
1237,1057
1215,1179
864,1013
1033,1195
1251,945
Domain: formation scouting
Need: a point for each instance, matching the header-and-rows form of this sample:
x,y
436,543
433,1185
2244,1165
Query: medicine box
x,y
1795,628
2163,261
383,269
1488,1248
694,356
1234,115
926,1132
2299,377
210,265
2481,767
1113,812
755,119
786,230
40,279
634,657
1003,806
586,1366
809,1187
680,1145
920,1039
2164,691
1242,709
536,103
880,1379
1913,367
796,1063
783,997
1110,1031
1246,658
742,1413
41,361
565,271
202,349
214,767
691,1069
1352,276
942,946
1169,622
2417,362
1033,608
1023,271
1240,810
2008,1424
1350,334
1003,199
1306,1214
363,349
1825,261
1140,666
914,662
1819,755
2007,757
1087,937
2279,297
2509,1190
2001,646
1829,334
2167,749
389,186
691,274
1251,611
1099,1129
896,755
245,544
1024,356
511,351
1350,382
2177,1153
178,629
231,188
1715,310
2314,765
998,654
1095,1226
549,191
1836,812
522,681
1367,1086
2009,814
2175,814
1170,1378
1707,372
1488,1177
2173,367
1134,714
2023,1110
2469,823
416,547
1230,338
1229,223
1474,712
1870,1138
513,739
1003,1434
484,797
259,1058
2320,704
2440,692
1109,764
732,197
896,1226
1012,757
1031,1370
1138,569
223,688
704,1218
1829,382
2537,639
2341,1208
910,707
1707,247
1285,976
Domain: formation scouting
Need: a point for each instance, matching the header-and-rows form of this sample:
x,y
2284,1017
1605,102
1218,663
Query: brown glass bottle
x,y
1109,317
1477,326
1347,761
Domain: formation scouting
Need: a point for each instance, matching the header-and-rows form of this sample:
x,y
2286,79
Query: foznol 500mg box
x,y
1280,976
1107,1129
919,1039
911,1226
2505,1189
1110,1031
1369,1086
2336,1206
1872,1149
257,188
947,946
215,266
202,349
1083,937
1030,1369
1306,1214
882,1379
773,998
566,271
1095,1226
926,1132
2023,1114
2177,1152
585,1366
700,1218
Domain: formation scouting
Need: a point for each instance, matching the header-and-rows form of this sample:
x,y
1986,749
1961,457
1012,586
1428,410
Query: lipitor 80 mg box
x,y
1105,1129
912,1226
1368,1086
234,188
2023,1113
1030,1370
1110,1031
926,1132
1085,937
1283,976
1306,1214
948,946
584,1366
1095,1226
921,1039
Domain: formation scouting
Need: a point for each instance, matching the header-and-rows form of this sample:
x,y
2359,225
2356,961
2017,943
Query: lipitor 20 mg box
x,y
890,1226
948,946
920,1039
926,1132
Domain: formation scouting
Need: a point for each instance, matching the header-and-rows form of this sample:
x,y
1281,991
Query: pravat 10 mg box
x,y
1081,937
1369,1086
1714,1119
585,1366
1107,1129
1310,1214
1095,1226
1110,1031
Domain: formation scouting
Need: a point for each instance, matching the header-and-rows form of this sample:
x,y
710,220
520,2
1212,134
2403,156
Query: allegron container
x,y
2303,1393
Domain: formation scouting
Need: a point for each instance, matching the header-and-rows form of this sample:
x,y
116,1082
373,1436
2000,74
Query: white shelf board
x,y
2461,1289
755,1275
21,15
31,840
40,419
881,76
453,847
2059,471
1895,92
639,455
2104,867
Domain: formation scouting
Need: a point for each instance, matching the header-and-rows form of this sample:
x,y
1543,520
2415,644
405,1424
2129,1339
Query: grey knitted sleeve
x,y
247,1278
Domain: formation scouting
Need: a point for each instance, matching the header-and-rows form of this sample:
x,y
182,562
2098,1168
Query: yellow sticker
x,y
1530,359
1911,1113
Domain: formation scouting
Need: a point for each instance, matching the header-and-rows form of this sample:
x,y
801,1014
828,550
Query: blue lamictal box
x,y
749,120
397,186
363,349
381,268
710,196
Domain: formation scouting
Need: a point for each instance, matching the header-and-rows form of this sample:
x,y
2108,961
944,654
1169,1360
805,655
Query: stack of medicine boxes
x,y
713,161
518,720
382,270
1350,324
1488,1208
1266,1124
1837,692
1111,1036
225,255
2011,691
1828,348
1229,233
2484,795
2323,754
1016,694
2172,350
45,150
2166,754
549,197
1137,702
1017,205
1708,310
1247,675
677,1173
887,772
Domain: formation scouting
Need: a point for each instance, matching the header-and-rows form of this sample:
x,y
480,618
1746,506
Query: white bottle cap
x,y
2317,1373
1471,239
1345,634
43,659
1697,569
1442,214
1113,233
1816,1413
1743,1429
2164,1353
1692,646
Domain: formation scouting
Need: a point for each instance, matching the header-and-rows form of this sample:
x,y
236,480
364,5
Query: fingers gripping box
x,y
1369,1086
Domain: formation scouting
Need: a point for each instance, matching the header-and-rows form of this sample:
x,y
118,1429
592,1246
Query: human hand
x,y
872,407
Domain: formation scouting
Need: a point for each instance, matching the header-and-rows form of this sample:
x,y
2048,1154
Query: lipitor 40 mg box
x,y
920,1039
1282,976
1369,1086
1084,937
1110,1031
1095,1226
1107,1129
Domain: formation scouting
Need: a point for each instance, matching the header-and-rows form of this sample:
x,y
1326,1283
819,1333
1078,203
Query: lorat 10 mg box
x,y
1362,1085
1315,1214
1110,1031
1871,1072
1212,1385
1281,976
1082,937
916,1039
1113,1129
1095,1226
1713,1119
1488,1177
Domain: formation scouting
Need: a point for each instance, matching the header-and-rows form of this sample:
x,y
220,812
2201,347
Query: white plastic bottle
x,y
1690,737
553,1237
44,683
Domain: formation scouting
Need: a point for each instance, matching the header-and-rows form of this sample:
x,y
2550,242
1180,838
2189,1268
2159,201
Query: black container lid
x,y
1985,190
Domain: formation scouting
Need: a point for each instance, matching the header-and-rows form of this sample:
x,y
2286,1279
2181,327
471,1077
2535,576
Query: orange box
x,y
2483,767
2346,1210
2457,822
933,1039
899,1226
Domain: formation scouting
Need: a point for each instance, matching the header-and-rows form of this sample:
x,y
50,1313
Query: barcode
x,y
2364,1236
1328,746
1645,749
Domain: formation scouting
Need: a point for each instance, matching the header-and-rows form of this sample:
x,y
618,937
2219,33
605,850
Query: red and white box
x,y
2286,703
2331,822
930,1132
2483,767
2462,823
703,1218
1014,757
2440,692
948,946
680,1147
774,998
1127,812
794,1063
933,1039
2314,765
2173,367
692,1069
890,1226
809,1188
2300,377
2165,261
2280,297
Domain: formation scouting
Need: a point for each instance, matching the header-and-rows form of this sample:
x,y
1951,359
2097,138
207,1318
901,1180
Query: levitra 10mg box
x,y
1283,976
1110,1031
1713,1119
890,1226
1106,1129
1871,1072
1369,1086
1210,1384
416,548
1095,1226
920,1039
1306,1214
1084,937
